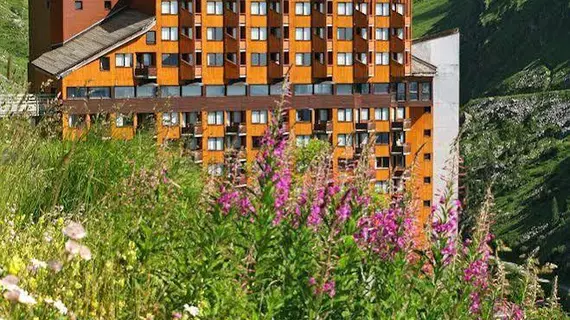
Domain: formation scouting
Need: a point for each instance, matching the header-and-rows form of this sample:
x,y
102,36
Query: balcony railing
x,y
146,72
365,126
325,127
402,124
192,130
235,129
197,156
404,149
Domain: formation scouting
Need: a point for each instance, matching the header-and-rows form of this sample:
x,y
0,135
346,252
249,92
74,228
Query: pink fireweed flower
x,y
505,310
445,228
475,306
329,288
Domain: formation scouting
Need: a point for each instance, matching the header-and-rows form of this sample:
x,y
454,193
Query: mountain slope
x,y
14,38
501,40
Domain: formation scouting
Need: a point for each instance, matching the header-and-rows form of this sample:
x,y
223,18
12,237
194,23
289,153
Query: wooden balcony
x,y
404,149
231,70
236,129
145,72
197,156
365,126
402,124
194,130
396,20
323,127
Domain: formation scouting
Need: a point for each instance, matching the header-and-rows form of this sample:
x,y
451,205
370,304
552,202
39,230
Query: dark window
x,y
78,5
100,92
427,180
382,138
124,92
303,115
427,156
198,29
329,58
286,32
258,90
286,57
382,162
256,142
343,89
169,60
198,6
426,91
401,92
427,203
362,88
329,7
329,32
427,109
413,88
286,7
242,6
107,5
303,89
427,133
151,37
242,33
198,58
242,58
75,93
380,88
104,64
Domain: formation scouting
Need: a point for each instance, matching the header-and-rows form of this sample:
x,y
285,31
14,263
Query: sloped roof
x,y
98,40
422,68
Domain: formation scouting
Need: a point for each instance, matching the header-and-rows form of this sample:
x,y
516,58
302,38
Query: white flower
x,y
9,282
58,305
75,249
192,310
25,298
75,231
36,265
55,265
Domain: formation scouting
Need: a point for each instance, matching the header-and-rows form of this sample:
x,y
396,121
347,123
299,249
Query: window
x,y
256,142
259,59
303,115
170,119
401,91
215,169
169,60
188,58
170,7
382,58
169,34
75,93
381,186
427,156
258,33
344,58
258,8
215,59
151,37
303,89
427,203
258,90
215,91
104,64
231,5
78,5
382,9
320,57
362,88
214,7
343,89
99,92
187,31
76,120
382,138
192,90
427,109
274,56
237,89
426,91
276,31
413,88
216,117
363,32
427,133
302,140
214,34
124,92
146,91
123,120
344,140
302,33
382,34
169,91
398,32
302,8
382,162
364,116
344,33
275,6
216,144
344,8
302,59
398,57
276,89
400,112
398,7
362,57
124,60
427,180
319,6
381,114
107,5
344,115
362,7
323,88
187,5
380,88
319,32
259,116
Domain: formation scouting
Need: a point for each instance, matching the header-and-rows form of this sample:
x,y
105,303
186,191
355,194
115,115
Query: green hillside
x,y
507,46
14,38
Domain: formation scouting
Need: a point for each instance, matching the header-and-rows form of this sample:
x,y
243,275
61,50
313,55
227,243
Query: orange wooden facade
x,y
240,31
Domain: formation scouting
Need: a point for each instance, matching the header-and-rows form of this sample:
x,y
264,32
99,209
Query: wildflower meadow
x,y
101,229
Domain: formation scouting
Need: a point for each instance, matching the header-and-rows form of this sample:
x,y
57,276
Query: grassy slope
x,y
500,38
14,36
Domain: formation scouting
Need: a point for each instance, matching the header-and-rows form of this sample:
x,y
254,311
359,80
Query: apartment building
x,y
209,71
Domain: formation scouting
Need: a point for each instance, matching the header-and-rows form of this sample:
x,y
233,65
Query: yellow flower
x,y
15,265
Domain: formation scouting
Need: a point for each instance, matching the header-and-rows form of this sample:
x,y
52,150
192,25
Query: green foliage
x,y
555,212
306,154
14,38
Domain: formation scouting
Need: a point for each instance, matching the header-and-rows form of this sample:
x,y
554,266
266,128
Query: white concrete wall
x,y
443,52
